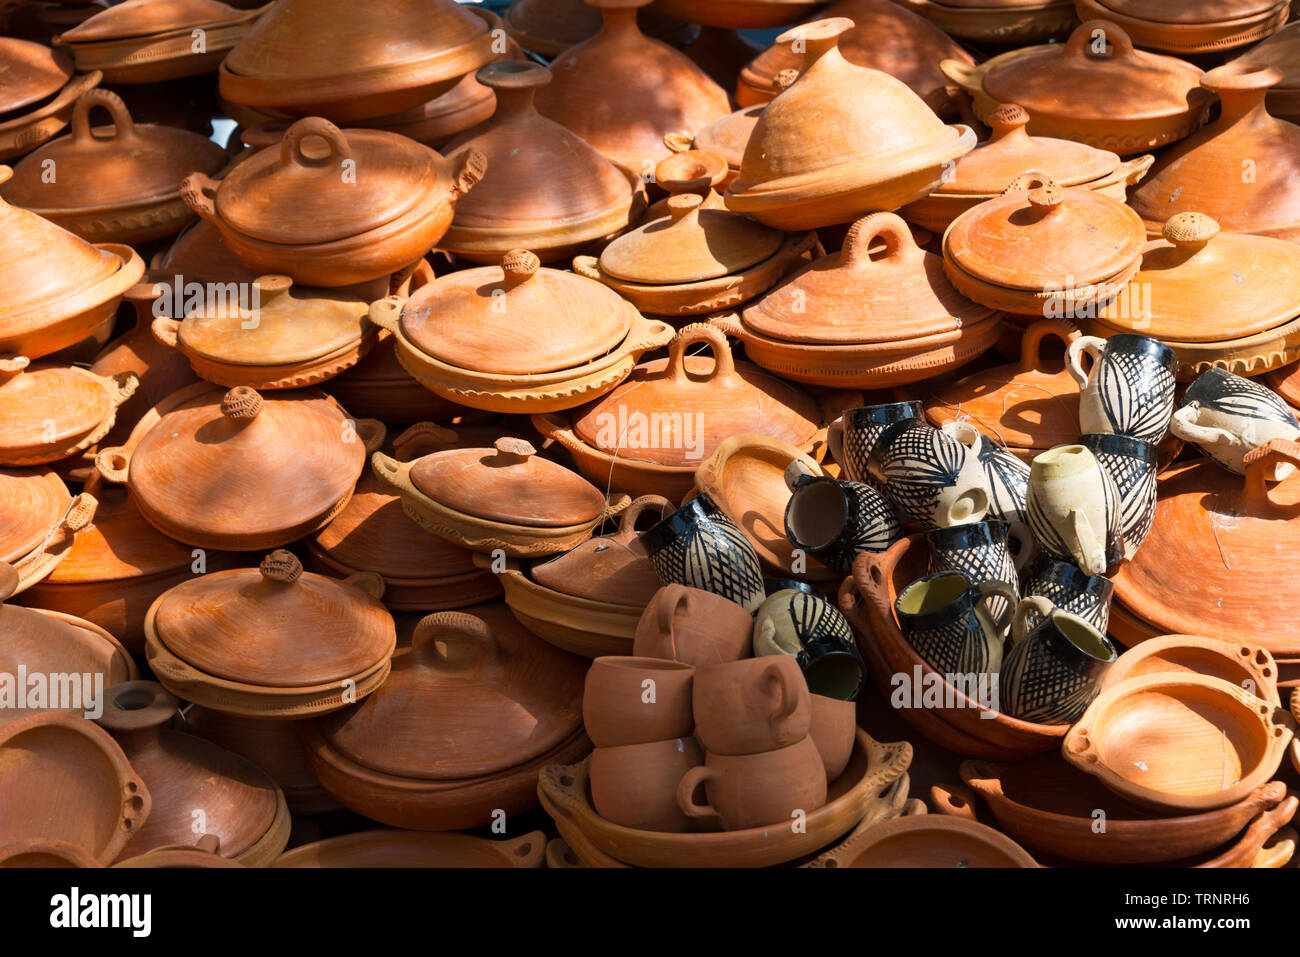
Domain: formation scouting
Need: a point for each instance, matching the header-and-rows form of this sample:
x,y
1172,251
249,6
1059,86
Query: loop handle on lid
x,y
466,640
123,126
281,566
724,366
1262,462
627,521
900,246
1086,37
291,151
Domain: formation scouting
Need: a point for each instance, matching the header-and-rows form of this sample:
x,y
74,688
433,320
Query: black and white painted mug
x,y
700,547
853,436
1132,464
834,521
948,623
1074,508
1226,416
981,552
1054,669
815,633
1069,589
1130,388
933,478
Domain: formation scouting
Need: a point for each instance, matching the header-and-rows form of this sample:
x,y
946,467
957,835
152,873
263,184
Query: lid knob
x,y
819,37
1008,116
281,566
681,204
1192,230
1046,198
12,365
511,450
513,75
691,171
137,706
241,404
520,264
785,78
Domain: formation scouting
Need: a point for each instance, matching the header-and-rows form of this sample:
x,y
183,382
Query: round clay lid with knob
x,y
518,318
109,165
1010,151
508,483
143,18
32,502
690,244
276,626
475,693
1046,236
32,72
44,406
899,292
1202,285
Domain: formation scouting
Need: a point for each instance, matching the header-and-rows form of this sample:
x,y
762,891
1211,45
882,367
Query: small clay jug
x,y
629,700
1054,670
1074,508
744,707
1130,388
1226,416
693,626
636,785
757,790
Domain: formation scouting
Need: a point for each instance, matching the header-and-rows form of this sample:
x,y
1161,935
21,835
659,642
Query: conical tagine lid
x,y
143,18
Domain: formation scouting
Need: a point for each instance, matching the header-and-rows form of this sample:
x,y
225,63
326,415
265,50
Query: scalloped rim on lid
x,y
32,72
36,402
519,318
31,504
146,18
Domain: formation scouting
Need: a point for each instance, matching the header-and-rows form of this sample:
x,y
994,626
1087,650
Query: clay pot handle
x,y
1084,345
123,126
819,38
122,386
639,506
388,470
1184,426
677,597
954,800
467,639
1132,170
426,437
527,850
372,583
166,331
209,844
372,433
966,75
963,431
724,366
728,323
899,244
291,154
587,267
471,167
995,588
1079,46
691,780
13,366
386,313
1031,352
1028,180
1036,604
835,439
614,505
781,691
1260,464
281,566
199,192
678,143
113,464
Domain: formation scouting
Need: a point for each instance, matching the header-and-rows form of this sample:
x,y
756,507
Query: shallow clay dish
x,y
64,779
50,412
39,92
1179,742
873,767
1246,666
407,849
930,840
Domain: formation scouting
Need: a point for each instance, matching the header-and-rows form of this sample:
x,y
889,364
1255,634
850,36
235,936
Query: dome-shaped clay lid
x,y
1050,236
46,405
675,411
516,319
238,462
42,264
728,136
1223,530
508,483
275,626
32,72
837,119
293,325
538,172
690,244
1080,78
609,568
1201,285
1010,151
475,693
850,296
338,183
1189,11
144,18
32,502
103,166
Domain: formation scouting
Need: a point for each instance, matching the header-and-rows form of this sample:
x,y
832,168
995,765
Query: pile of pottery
x,y
604,424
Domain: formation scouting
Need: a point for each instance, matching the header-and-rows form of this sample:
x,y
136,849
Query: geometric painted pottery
x,y
394,848
933,840
478,703
1237,539
1115,98
872,769
1180,742
1181,27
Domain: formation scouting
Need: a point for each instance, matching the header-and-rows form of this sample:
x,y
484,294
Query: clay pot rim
x,y
942,826
533,845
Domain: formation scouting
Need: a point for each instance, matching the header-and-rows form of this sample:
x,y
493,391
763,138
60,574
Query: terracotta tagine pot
x,y
549,27
518,337
984,172
39,93
144,41
621,91
272,641
1222,526
393,848
913,56
198,254
545,190
649,435
61,290
39,642
381,61
475,721
879,146
854,319
366,203
1074,249
1103,93
1230,170
1251,326
49,412
1001,22
238,801
64,779
379,387
1190,28
1282,52
723,139
1029,407
38,522
208,466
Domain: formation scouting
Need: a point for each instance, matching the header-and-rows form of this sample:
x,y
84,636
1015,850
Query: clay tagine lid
x,y
1010,151
1280,51
274,626
518,318
199,254
1202,285
1048,237
293,325
610,568
508,483
32,501
1183,12
32,72
622,91
474,694
690,245
713,396
306,172
549,27
1239,169
539,174
143,18
47,406
851,296
728,136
